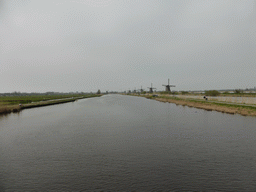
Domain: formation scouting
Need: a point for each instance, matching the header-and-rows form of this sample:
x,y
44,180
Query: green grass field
x,y
12,100
11,103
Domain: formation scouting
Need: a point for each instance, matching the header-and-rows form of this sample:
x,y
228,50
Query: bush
x,y
168,92
165,92
212,93
184,92
238,91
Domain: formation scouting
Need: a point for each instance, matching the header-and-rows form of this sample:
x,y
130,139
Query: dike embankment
x,y
16,108
230,108
47,103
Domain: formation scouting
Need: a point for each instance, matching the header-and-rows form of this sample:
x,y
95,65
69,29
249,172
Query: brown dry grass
x,y
9,108
211,107
3,109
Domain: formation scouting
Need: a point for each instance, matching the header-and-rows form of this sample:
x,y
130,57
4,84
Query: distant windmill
x,y
167,87
151,88
141,90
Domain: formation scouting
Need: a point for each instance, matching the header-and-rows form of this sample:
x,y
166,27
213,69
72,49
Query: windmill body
x,y
168,87
151,88
141,90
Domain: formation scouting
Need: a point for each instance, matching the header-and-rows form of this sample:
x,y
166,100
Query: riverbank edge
x,y
208,106
14,108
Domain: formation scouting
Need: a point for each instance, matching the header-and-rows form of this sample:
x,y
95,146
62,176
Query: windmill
x,y
151,88
141,90
167,87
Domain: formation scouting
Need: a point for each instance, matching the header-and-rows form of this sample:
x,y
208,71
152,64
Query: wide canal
x,y
125,143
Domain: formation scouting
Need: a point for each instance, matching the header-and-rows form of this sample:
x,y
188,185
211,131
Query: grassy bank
x,y
246,110
17,103
209,93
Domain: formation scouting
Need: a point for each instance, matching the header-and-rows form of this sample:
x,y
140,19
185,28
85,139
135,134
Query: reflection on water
x,y
122,143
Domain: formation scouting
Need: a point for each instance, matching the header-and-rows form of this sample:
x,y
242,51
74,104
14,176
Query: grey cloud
x,y
78,45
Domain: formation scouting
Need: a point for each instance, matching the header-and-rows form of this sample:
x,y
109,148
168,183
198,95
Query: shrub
x,y
238,91
184,92
165,92
212,93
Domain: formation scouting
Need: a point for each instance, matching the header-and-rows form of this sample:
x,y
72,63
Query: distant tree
x,y
212,93
98,92
164,92
184,92
238,91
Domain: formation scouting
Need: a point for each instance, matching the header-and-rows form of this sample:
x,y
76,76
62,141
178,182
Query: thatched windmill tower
x,y
141,90
151,88
167,87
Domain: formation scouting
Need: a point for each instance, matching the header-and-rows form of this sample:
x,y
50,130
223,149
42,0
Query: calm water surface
x,y
124,143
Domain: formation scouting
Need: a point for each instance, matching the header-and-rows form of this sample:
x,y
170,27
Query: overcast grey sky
x,y
86,45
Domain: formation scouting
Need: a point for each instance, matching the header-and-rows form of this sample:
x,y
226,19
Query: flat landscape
x,y
108,95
